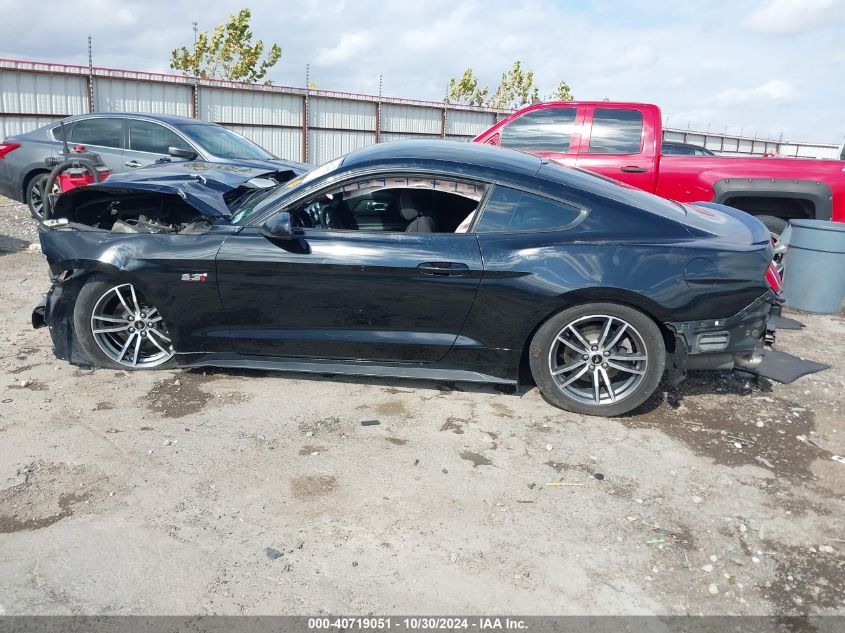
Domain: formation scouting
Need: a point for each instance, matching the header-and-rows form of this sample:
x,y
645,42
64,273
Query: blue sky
x,y
774,66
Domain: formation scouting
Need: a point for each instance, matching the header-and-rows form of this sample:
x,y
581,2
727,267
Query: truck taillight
x,y
773,278
5,148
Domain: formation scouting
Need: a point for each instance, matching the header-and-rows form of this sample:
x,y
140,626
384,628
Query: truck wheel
x,y
598,359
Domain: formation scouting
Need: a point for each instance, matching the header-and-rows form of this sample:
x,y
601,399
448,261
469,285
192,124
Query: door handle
x,y
132,163
443,269
633,169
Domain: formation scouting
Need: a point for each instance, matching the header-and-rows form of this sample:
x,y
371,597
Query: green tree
x,y
466,90
227,53
516,89
563,93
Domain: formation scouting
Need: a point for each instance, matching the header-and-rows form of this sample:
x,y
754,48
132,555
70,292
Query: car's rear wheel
x,y
118,328
598,359
35,194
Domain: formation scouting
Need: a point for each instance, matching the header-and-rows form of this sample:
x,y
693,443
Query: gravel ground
x,y
191,492
17,229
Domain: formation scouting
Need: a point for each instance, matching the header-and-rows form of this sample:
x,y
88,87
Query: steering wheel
x,y
327,219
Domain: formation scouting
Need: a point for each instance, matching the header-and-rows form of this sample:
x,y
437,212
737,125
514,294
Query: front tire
x,y
117,328
34,195
599,359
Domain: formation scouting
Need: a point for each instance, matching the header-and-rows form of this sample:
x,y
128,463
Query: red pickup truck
x,y
622,140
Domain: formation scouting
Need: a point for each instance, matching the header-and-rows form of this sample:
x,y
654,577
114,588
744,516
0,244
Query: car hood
x,y
200,184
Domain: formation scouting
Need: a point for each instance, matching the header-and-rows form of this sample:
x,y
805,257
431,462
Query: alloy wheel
x,y
36,198
129,330
598,359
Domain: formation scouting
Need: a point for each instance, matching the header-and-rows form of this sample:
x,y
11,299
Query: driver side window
x,y
416,204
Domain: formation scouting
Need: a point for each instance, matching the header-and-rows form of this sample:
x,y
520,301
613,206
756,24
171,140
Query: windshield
x,y
223,143
266,199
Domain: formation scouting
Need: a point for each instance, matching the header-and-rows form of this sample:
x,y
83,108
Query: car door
x,y
619,142
550,131
362,295
102,135
148,142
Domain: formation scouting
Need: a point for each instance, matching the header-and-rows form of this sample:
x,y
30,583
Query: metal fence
x,y
312,126
299,124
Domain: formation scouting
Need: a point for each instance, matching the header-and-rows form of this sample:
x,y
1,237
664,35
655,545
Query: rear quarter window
x,y
510,210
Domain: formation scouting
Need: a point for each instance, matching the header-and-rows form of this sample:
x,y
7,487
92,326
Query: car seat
x,y
419,221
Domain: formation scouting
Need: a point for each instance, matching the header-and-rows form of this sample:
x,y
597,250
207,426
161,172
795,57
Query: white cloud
x,y
789,16
350,46
769,92
683,56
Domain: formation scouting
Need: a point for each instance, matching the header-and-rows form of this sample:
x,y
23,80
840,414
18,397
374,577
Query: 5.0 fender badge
x,y
194,276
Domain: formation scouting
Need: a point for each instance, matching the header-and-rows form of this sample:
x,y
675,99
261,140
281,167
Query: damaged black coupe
x,y
423,259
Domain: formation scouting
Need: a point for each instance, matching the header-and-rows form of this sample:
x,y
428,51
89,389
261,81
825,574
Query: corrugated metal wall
x,y
35,99
468,124
127,95
411,119
324,145
33,94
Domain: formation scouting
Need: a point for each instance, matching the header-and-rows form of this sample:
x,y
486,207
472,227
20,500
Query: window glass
x,y
145,136
512,210
547,130
422,204
223,143
616,131
102,132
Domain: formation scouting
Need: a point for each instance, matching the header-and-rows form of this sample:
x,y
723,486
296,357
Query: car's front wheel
x,y
599,359
118,328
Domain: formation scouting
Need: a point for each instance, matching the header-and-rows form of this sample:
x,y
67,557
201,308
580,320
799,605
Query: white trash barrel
x,y
814,266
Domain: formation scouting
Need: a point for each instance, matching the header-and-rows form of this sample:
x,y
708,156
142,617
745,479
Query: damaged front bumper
x,y
55,311
739,341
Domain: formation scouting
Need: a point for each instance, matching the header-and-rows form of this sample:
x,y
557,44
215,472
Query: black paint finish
x,y
423,304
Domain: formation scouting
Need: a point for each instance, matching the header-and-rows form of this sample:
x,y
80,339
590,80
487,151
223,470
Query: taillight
x,y
773,278
5,148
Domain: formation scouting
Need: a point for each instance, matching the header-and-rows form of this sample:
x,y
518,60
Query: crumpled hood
x,y
200,184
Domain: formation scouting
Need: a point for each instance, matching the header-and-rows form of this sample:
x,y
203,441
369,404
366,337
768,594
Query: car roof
x,y
472,158
170,119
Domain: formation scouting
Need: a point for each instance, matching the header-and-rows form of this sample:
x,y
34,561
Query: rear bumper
x,y
738,341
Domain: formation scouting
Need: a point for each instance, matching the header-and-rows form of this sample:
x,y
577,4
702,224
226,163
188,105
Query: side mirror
x,y
278,227
178,152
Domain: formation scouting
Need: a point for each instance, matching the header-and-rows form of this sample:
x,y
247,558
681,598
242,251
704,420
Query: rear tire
x,y
117,328
600,359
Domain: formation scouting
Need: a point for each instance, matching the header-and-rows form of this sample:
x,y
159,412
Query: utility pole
x,y
196,28
91,101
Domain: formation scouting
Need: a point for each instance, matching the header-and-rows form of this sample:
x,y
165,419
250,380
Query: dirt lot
x,y
247,492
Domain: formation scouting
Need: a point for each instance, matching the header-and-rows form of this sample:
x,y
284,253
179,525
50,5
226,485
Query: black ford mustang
x,y
441,260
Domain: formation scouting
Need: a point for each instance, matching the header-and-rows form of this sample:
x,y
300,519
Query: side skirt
x,y
338,367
